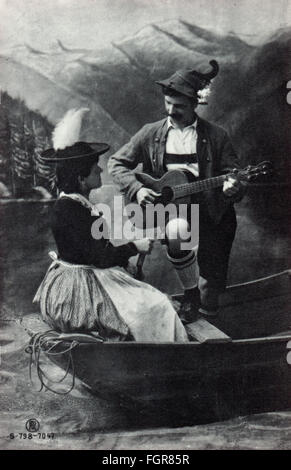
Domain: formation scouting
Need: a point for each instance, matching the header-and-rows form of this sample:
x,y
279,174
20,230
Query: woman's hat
x,y
190,82
78,150
66,144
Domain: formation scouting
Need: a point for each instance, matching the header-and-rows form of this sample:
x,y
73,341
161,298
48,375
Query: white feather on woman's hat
x,y
65,138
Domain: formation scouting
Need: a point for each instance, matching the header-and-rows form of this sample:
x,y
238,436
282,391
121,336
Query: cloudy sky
x,y
91,23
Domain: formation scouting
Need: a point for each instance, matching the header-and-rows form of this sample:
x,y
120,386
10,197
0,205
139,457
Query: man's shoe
x,y
187,313
189,303
193,296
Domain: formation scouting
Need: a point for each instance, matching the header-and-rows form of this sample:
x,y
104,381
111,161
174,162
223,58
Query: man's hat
x,y
65,140
190,82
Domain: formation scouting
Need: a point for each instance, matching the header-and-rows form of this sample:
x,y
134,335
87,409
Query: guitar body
x,y
164,184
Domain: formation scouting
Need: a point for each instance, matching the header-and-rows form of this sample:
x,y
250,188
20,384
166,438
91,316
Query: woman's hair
x,y
69,171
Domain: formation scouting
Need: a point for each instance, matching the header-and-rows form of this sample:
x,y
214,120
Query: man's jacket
x,y
214,152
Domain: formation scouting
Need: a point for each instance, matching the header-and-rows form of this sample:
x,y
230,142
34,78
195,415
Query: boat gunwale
x,y
257,340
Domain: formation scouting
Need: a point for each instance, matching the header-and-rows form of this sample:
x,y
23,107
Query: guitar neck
x,y
198,186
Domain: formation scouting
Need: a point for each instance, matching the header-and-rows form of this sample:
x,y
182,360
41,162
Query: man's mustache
x,y
174,115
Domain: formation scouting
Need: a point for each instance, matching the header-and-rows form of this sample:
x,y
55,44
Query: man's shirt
x,y
182,142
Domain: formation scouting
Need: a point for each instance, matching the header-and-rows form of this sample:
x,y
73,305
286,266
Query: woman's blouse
x,y
71,226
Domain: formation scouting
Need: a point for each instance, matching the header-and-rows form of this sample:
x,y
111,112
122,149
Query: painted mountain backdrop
x,y
117,84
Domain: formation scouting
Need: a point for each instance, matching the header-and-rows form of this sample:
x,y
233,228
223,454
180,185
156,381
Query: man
x,y
183,140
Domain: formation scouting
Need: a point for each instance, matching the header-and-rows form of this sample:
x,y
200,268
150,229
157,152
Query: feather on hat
x,y
65,138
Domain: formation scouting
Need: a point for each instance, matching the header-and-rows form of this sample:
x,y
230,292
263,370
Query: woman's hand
x,y
144,246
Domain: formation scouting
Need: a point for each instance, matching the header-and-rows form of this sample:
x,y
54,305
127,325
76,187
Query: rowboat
x,y
237,365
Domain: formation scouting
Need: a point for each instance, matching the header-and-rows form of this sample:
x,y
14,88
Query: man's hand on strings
x,y
146,196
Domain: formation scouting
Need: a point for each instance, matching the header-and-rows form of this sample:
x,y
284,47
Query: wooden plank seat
x,y
204,332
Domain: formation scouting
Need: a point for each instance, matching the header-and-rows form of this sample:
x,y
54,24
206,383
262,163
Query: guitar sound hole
x,y
167,194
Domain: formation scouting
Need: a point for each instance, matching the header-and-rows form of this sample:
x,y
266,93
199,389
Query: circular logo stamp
x,y
32,425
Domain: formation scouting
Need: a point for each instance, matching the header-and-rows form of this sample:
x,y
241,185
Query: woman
x,y
87,288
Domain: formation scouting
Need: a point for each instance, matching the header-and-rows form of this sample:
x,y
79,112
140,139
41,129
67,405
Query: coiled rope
x,y
46,343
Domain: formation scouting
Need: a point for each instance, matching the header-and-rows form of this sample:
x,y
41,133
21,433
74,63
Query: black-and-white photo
x,y
145,226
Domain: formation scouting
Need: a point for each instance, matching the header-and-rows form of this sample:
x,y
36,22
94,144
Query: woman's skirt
x,y
108,301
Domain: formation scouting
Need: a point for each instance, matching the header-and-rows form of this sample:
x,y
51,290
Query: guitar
x,y
174,186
